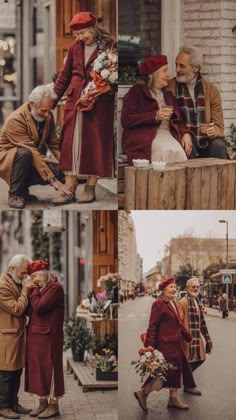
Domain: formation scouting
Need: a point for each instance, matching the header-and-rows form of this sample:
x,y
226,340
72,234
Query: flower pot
x,y
108,375
78,356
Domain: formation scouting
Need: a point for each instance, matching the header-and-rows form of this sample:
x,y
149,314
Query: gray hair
x,y
196,56
191,280
40,92
18,260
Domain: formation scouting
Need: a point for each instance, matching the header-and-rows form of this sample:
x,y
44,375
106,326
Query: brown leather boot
x,y
142,399
175,403
51,411
88,195
42,406
64,199
7,413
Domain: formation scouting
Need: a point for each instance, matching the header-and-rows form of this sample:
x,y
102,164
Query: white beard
x,y
193,295
16,280
35,116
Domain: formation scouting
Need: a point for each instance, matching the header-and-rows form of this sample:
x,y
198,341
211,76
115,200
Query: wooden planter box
x,y
197,184
109,375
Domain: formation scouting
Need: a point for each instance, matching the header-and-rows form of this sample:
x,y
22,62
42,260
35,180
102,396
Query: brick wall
x,y
207,24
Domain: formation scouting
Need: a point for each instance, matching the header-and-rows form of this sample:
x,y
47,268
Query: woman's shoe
x,y
175,403
88,195
42,406
51,411
142,399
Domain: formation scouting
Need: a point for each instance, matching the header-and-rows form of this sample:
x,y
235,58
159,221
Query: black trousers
x,y
215,149
9,388
24,174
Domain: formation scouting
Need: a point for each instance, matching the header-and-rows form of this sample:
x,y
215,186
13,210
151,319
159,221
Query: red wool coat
x,y
164,333
97,124
139,123
45,340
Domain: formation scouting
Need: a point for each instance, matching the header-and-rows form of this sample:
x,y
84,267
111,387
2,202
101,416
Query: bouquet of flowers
x,y
107,360
104,73
153,363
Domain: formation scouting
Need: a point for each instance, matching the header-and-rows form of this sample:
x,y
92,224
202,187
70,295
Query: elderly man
x,y
24,139
200,104
192,315
13,304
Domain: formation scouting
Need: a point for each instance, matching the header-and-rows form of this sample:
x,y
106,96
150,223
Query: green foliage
x,y
109,341
77,336
40,240
185,272
127,75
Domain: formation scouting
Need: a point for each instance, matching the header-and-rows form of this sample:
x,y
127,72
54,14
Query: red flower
x,y
143,337
141,352
149,348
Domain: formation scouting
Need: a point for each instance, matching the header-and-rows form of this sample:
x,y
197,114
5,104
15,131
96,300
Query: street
x,y
78,405
216,378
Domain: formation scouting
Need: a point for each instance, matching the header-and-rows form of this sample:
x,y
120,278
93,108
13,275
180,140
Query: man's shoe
x,y
142,399
43,404
31,198
88,195
64,199
18,408
16,202
193,391
175,403
7,413
51,411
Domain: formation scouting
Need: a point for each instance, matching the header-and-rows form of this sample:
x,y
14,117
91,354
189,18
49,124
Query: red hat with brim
x,y
38,265
82,20
164,283
153,63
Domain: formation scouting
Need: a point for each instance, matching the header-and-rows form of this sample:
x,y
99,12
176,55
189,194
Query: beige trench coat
x,y
182,305
13,304
213,108
20,130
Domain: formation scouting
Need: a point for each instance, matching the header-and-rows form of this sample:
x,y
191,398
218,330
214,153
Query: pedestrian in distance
x,y
224,306
25,137
164,333
192,315
87,138
13,305
200,105
44,364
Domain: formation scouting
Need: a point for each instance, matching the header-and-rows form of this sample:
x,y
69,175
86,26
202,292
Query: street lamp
x,y
227,254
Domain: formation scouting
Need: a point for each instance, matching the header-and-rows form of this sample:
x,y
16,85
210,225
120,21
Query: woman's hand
x,y
60,187
164,113
96,92
187,143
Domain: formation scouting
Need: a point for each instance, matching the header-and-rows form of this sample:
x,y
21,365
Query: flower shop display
x,y
78,338
104,73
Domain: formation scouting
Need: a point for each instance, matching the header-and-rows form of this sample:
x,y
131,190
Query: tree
x,y
185,272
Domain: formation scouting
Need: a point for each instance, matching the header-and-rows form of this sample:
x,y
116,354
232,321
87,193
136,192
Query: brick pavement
x,y
78,405
105,193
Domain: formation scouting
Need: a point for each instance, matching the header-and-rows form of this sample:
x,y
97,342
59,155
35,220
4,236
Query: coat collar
x,y
32,127
167,302
12,284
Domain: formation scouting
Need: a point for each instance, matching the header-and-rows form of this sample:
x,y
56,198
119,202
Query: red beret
x,y
37,266
164,283
153,63
82,20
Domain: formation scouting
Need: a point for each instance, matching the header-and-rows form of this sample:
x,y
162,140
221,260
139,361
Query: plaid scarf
x,y
193,117
197,326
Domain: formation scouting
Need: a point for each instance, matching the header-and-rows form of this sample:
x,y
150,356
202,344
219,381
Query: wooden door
x,y
105,10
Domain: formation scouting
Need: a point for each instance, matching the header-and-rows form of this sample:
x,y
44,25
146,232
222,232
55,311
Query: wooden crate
x,y
197,184
121,184
87,377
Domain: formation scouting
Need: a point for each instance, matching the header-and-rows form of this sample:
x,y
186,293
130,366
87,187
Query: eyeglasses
x,y
195,287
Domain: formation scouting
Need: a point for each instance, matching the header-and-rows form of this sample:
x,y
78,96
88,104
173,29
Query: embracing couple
x,y
28,289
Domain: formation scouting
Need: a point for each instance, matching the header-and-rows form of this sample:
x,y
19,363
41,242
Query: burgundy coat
x,y
45,340
97,124
164,333
139,123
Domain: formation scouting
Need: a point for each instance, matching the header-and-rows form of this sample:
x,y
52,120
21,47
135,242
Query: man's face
x,y
42,111
19,274
194,288
185,71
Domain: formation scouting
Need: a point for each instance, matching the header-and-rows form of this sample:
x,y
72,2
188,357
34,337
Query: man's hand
x,y
28,284
60,187
210,130
187,143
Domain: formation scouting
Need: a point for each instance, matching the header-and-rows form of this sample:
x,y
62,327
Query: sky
x,y
154,229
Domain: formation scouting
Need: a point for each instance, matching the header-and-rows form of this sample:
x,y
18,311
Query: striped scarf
x,y
197,326
193,117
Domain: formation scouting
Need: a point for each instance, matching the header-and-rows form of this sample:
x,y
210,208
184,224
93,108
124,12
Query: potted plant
x,y
78,338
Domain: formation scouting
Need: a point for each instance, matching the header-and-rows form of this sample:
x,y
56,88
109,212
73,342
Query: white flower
x,y
105,74
113,77
142,359
148,354
98,66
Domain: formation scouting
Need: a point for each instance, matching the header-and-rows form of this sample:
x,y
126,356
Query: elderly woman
x,y
152,122
44,367
164,333
87,135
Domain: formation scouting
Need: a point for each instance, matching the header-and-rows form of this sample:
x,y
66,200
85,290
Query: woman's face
x,y
86,35
38,279
170,290
161,77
